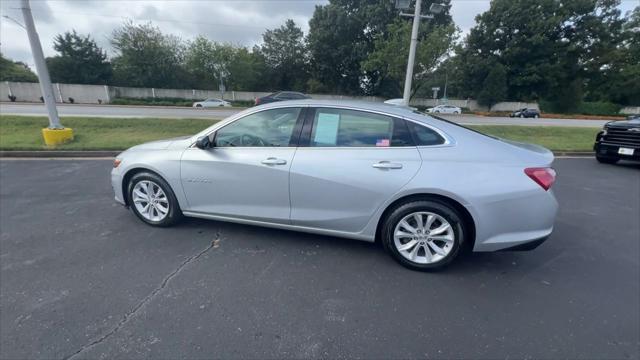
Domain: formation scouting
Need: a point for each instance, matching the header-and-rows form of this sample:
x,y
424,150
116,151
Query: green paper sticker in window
x,y
326,131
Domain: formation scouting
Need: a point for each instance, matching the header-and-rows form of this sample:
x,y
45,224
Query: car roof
x,y
394,110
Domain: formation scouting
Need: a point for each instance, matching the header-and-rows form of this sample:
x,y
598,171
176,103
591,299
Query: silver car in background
x,y
445,109
423,187
211,103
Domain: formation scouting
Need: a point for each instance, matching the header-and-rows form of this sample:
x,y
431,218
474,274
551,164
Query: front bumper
x,y
611,151
116,184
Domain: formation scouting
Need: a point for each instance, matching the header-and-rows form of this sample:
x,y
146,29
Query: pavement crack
x,y
132,313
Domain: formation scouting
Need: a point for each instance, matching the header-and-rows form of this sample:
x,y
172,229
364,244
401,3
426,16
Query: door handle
x,y
274,161
387,165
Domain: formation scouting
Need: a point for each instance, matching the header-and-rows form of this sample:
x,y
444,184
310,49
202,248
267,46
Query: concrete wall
x,y
474,106
630,110
95,94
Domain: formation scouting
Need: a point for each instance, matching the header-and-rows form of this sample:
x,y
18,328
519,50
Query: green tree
x,y
15,71
79,60
206,61
554,50
343,34
285,57
246,71
624,87
388,61
494,87
146,57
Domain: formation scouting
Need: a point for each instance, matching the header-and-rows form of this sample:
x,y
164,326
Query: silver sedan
x,y
425,188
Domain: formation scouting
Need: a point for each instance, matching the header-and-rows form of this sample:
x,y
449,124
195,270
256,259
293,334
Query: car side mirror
x,y
203,142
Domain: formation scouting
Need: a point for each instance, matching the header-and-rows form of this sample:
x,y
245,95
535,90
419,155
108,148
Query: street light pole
x,y
41,67
412,53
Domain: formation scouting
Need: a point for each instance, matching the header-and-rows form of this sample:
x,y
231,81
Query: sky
x,y
239,22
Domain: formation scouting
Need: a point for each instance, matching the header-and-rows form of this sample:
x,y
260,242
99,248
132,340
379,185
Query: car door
x,y
348,163
246,172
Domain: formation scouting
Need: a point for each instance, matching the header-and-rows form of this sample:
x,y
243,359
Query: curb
x,y
114,153
575,153
58,154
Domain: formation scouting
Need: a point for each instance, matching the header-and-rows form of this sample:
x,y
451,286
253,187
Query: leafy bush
x,y
170,102
242,103
153,101
601,108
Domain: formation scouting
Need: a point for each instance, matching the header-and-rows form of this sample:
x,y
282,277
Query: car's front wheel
x,y
152,200
423,235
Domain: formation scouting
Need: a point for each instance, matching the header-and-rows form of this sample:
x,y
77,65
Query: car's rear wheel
x,y
522,116
198,105
606,160
423,235
536,116
152,200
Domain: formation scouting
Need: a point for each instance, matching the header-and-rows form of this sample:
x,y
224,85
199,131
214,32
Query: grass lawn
x,y
556,138
24,133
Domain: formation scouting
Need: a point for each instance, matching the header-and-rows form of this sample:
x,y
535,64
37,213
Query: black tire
x,y
606,160
436,207
536,116
174,214
521,116
198,105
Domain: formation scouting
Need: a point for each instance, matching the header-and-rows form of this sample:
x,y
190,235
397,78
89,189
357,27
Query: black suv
x,y
281,96
619,140
526,113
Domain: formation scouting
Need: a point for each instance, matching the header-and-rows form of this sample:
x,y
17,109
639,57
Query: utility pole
x,y
41,67
412,53
417,16
446,81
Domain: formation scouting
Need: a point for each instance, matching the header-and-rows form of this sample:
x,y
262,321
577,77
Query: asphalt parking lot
x,y
81,277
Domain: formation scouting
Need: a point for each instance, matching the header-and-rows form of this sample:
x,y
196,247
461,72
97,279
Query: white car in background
x,y
208,103
445,109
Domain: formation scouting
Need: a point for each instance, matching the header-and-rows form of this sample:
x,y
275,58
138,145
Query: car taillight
x,y
545,177
116,162
257,101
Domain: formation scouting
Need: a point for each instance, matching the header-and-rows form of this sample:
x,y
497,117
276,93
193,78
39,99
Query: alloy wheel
x,y
424,237
150,200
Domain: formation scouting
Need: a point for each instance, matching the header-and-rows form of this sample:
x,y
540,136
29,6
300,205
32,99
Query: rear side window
x,y
350,128
297,96
424,136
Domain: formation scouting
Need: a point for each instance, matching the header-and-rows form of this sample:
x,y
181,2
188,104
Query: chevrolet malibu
x,y
424,187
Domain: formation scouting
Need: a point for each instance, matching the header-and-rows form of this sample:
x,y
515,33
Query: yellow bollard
x,y
53,137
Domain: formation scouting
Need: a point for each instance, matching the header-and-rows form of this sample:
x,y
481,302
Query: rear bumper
x,y
527,245
515,223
